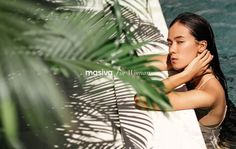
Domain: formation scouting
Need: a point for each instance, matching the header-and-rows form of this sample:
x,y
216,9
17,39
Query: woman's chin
x,y
177,68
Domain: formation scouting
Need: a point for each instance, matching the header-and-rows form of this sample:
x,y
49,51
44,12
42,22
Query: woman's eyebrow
x,y
177,37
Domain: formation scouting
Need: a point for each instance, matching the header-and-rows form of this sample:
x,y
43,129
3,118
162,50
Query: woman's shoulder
x,y
211,83
216,91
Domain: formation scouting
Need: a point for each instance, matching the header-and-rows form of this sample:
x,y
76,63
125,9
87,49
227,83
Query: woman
x,y
193,54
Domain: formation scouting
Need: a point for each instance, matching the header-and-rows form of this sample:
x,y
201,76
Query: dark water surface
x,y
222,16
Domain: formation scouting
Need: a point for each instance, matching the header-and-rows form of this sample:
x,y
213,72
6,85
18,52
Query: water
x,y
222,17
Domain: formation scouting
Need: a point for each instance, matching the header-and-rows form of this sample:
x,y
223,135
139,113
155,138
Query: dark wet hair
x,y
202,30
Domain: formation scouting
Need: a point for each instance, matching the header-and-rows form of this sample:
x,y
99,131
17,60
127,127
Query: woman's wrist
x,y
176,80
186,76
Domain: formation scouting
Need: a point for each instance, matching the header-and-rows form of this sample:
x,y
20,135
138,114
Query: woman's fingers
x,y
206,55
200,64
141,104
204,62
201,57
206,59
202,54
140,101
140,98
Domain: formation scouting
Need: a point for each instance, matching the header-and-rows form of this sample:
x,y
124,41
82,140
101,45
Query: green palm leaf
x,y
37,41
85,46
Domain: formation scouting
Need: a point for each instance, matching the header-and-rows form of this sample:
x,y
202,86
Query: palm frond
x,y
74,40
26,80
94,115
38,41
136,125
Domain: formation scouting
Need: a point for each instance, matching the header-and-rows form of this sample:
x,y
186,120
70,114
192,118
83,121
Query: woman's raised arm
x,y
196,68
162,62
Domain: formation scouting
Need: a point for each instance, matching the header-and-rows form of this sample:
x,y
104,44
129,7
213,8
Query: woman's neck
x,y
198,80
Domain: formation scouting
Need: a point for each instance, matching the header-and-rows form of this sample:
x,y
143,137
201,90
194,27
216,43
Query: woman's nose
x,y
172,48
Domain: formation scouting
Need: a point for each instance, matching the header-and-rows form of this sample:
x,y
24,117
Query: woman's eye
x,y
179,42
169,44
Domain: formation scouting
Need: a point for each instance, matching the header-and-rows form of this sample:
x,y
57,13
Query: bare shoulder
x,y
215,89
217,94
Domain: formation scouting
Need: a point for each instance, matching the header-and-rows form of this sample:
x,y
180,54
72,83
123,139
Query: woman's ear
x,y
202,45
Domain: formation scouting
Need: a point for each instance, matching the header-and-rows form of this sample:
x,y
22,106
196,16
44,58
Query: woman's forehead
x,y
178,31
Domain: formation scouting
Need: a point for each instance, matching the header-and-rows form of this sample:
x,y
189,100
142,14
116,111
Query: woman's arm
x,y
191,99
162,62
196,68
183,100
194,98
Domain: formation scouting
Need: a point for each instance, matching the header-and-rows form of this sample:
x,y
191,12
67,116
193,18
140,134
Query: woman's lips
x,y
173,59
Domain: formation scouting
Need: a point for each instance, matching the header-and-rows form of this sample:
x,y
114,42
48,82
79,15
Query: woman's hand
x,y
141,102
199,65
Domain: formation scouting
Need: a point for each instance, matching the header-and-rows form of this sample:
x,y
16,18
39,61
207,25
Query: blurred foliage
x,y
41,39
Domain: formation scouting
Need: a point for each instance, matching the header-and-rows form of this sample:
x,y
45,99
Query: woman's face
x,y
183,47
